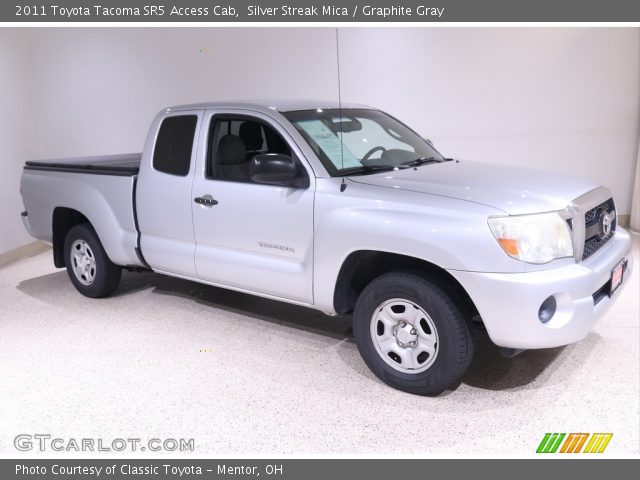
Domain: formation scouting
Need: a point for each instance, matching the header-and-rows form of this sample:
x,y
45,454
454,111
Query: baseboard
x,y
624,220
22,252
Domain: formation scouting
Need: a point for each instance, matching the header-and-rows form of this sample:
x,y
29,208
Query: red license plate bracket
x,y
617,276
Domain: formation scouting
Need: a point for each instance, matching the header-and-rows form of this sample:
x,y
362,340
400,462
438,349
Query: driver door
x,y
251,236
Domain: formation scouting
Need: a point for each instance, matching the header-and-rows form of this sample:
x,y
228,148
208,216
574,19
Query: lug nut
x,y
413,331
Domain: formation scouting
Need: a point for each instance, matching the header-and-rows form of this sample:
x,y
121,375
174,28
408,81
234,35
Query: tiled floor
x,y
169,358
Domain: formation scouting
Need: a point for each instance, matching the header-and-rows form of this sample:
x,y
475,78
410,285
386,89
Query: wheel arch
x,y
363,266
63,220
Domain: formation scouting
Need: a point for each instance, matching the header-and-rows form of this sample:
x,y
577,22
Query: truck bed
x,y
120,165
102,188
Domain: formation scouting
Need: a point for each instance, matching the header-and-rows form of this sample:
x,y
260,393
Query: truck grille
x,y
596,234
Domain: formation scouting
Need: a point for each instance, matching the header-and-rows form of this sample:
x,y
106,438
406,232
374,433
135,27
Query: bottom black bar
x,y
311,469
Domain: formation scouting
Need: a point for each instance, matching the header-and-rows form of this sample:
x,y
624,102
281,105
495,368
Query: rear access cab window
x,y
172,153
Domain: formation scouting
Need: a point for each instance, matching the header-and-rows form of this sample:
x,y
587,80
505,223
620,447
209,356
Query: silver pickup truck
x,y
342,208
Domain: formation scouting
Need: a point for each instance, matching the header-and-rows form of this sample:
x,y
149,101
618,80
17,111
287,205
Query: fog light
x,y
547,309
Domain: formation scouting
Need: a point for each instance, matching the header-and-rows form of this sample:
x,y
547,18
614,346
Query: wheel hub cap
x,y
83,262
406,335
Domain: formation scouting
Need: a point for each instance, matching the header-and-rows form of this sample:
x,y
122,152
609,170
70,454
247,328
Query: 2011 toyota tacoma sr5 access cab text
x,y
342,208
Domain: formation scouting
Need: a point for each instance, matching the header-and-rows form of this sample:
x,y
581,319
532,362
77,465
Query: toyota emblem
x,y
605,225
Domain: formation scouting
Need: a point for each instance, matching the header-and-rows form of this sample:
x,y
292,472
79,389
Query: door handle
x,y
206,201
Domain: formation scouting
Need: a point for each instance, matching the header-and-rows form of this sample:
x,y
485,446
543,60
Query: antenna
x,y
343,186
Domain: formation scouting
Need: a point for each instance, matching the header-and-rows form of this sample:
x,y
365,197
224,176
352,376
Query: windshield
x,y
371,140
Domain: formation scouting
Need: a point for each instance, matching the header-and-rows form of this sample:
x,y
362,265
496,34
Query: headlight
x,y
537,238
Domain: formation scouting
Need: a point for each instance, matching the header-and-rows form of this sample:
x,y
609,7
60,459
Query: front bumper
x,y
508,303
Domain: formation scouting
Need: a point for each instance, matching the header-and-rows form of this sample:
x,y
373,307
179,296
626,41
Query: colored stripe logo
x,y
574,442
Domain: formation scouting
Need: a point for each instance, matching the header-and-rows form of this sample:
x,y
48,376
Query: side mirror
x,y
273,169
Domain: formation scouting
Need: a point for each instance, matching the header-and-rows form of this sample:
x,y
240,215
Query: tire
x,y
88,266
411,334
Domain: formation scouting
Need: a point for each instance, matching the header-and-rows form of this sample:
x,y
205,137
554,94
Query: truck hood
x,y
511,189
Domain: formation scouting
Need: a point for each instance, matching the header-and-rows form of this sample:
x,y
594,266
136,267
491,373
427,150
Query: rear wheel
x,y
88,266
411,334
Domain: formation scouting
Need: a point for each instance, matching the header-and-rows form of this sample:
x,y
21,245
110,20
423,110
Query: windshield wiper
x,y
366,169
421,161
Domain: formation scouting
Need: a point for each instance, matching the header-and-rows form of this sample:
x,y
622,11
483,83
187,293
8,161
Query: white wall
x,y
16,130
98,89
562,99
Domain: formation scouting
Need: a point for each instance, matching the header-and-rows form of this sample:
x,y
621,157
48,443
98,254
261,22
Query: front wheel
x,y
88,266
411,334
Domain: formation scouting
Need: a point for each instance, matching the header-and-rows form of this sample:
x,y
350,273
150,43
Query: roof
x,y
280,105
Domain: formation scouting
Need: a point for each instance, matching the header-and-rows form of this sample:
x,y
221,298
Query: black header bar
x,y
344,11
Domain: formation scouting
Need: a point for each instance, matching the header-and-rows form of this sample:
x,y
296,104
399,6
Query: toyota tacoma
x,y
344,209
